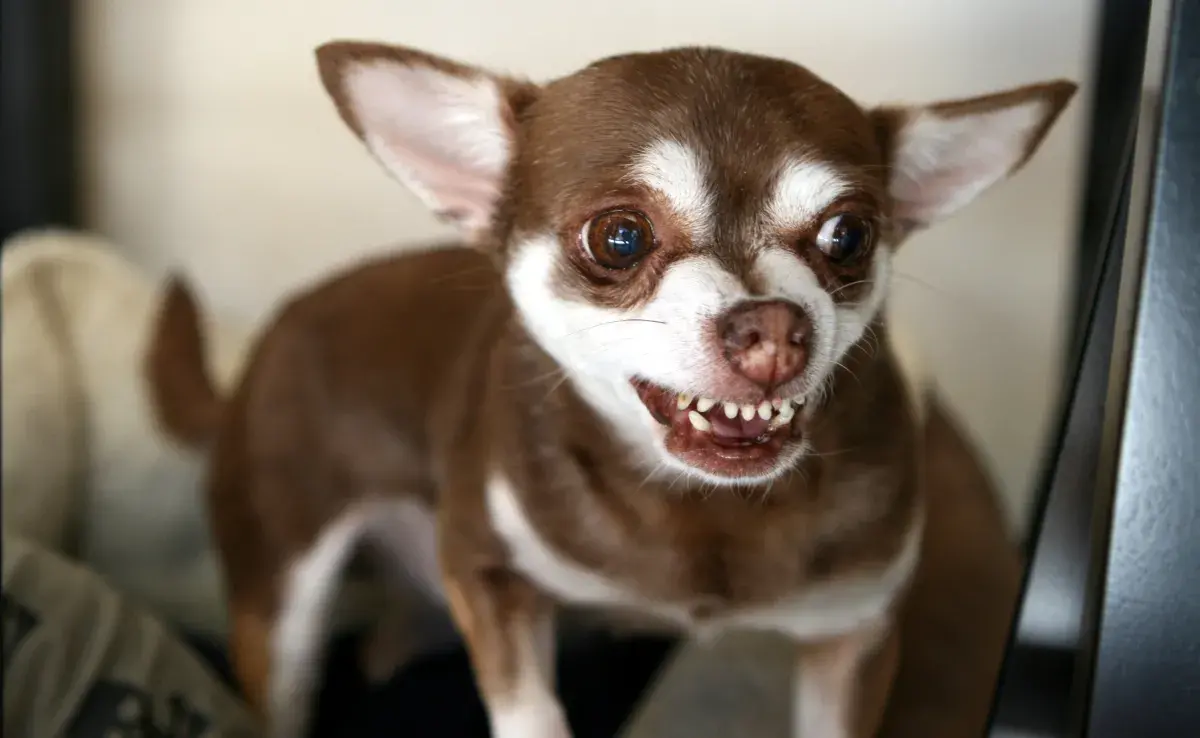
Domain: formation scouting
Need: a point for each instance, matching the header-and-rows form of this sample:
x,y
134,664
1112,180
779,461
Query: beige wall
x,y
210,146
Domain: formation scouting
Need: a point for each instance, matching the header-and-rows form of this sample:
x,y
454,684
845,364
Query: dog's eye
x,y
844,237
618,239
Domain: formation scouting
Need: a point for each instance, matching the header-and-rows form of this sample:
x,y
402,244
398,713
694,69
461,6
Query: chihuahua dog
x,y
657,380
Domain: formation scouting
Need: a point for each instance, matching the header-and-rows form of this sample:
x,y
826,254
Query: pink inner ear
x,y
936,194
440,133
454,193
942,164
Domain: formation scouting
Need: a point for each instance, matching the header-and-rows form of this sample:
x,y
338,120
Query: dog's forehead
x,y
742,117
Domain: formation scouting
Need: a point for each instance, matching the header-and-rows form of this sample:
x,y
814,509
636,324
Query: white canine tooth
x,y
748,411
731,410
699,422
776,423
787,412
777,403
683,401
764,410
704,404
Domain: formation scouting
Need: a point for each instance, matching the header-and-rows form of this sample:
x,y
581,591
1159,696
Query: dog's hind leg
x,y
250,651
311,585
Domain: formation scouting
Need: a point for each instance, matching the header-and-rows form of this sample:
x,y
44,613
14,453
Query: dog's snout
x,y
766,342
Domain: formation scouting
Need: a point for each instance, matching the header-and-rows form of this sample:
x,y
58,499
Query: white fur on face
x,y
681,176
803,190
668,340
836,328
602,348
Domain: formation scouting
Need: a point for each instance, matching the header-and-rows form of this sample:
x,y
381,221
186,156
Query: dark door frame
x,y
38,115
1116,538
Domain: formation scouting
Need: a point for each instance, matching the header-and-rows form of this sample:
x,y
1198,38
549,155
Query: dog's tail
x,y
186,401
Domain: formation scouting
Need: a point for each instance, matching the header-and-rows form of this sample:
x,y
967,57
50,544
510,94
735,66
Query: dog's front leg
x,y
508,627
842,684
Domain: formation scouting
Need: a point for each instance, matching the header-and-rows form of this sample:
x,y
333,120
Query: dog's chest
x,y
810,612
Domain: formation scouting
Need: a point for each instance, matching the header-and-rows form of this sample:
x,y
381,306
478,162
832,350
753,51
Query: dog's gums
x,y
725,439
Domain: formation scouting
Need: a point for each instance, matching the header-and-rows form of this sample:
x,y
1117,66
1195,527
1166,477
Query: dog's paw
x,y
532,719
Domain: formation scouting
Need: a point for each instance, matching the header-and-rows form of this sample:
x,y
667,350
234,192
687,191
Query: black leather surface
x,y
1046,669
1147,662
1117,72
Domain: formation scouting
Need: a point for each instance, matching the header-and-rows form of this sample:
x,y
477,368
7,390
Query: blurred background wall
x,y
209,146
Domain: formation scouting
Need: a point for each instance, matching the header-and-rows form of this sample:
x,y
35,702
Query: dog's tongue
x,y
736,428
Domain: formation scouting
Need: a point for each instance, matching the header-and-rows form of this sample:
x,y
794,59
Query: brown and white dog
x,y
658,382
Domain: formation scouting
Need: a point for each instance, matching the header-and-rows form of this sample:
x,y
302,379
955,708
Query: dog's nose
x,y
766,342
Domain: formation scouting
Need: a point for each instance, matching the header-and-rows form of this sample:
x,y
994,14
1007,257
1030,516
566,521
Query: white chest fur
x,y
815,613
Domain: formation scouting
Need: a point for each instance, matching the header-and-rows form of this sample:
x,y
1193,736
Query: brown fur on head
x,y
697,236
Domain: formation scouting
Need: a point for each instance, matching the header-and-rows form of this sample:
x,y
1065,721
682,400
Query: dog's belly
x,y
814,612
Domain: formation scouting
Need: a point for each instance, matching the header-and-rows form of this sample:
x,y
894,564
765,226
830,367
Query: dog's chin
x,y
757,444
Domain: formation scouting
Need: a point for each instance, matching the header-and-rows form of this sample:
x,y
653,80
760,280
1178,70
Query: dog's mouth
x,y
724,438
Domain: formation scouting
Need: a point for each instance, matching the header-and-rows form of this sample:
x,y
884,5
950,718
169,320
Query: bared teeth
x,y
787,411
778,411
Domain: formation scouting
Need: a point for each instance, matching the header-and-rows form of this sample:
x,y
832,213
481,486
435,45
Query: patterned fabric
x,y
80,661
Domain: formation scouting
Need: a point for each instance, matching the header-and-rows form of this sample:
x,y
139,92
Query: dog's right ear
x,y
444,129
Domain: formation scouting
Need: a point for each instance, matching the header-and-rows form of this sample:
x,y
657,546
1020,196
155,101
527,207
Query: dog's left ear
x,y
943,156
444,129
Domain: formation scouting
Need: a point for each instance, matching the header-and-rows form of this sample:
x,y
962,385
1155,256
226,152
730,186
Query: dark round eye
x,y
844,237
618,239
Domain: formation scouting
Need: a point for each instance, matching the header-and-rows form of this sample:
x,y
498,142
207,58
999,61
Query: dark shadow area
x,y
601,678
38,115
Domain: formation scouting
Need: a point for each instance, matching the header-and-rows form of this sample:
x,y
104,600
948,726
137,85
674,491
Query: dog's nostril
x,y
766,342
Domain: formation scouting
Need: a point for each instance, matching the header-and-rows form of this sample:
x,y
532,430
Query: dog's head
x,y
697,236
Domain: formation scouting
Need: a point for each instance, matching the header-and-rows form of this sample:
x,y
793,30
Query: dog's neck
x,y
589,493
